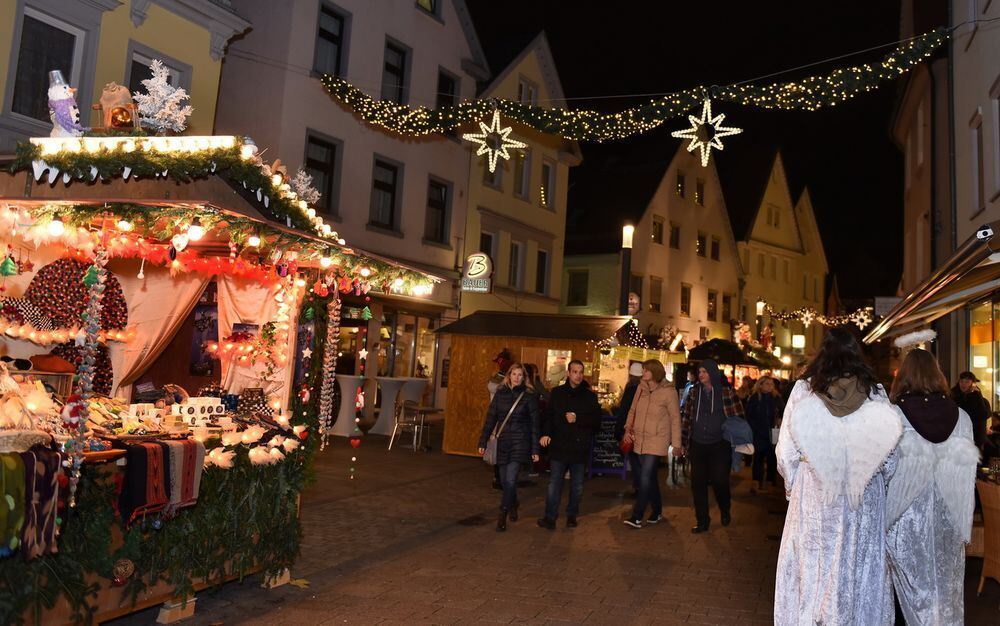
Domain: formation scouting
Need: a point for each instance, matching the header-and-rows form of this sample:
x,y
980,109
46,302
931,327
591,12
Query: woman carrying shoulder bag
x,y
931,495
512,420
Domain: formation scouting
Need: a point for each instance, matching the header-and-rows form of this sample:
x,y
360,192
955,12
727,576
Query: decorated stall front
x,y
165,306
481,342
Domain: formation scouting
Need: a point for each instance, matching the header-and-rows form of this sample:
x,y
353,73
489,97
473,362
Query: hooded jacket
x,y
721,392
654,418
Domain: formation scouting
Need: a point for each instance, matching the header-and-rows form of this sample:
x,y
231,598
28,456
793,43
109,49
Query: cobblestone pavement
x,y
412,540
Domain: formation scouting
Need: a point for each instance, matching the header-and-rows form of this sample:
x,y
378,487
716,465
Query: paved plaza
x,y
412,541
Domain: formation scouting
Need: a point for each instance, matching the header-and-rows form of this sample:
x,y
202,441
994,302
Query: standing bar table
x,y
386,417
344,426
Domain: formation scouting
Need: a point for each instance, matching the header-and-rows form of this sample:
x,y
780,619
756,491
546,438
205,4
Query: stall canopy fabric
x,y
720,351
971,273
536,325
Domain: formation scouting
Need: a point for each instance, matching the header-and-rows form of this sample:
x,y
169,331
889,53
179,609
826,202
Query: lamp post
x,y
628,230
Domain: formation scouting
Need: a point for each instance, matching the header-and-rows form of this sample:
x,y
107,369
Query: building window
x,y
492,179
760,265
777,217
699,192
46,44
657,231
486,244
139,71
394,73
788,277
979,188
321,164
437,222
713,313
576,290
655,293
431,6
675,235
727,307
715,249
527,92
770,216
385,187
700,245
805,287
522,173
635,285
680,184
542,272
329,53
816,288
774,267
515,277
685,300
548,191
447,91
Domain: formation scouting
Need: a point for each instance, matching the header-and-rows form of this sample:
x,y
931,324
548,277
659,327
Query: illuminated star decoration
x,y
494,141
702,137
306,353
363,355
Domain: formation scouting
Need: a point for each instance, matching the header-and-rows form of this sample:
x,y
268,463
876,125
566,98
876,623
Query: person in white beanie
x,y
634,376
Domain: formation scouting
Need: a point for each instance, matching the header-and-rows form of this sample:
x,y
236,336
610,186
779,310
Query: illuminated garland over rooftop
x,y
808,94
807,315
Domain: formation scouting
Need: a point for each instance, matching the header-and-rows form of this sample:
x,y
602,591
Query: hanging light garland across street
x,y
807,315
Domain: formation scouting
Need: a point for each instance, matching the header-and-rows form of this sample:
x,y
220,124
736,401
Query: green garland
x,y
246,517
586,125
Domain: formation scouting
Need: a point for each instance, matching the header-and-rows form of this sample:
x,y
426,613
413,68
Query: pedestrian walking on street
x,y
653,425
967,396
513,415
764,410
621,416
931,495
836,453
710,403
569,422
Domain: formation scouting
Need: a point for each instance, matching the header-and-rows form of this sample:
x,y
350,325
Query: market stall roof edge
x,y
537,325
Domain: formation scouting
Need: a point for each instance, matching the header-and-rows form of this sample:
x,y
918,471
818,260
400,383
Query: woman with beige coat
x,y
654,424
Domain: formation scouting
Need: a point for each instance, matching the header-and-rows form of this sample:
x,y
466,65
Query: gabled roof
x,y
465,19
540,46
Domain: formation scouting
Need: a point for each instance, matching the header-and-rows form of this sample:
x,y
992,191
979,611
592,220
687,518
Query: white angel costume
x,y
832,565
929,519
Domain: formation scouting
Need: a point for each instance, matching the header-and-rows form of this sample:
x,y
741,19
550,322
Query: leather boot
x,y
513,512
502,521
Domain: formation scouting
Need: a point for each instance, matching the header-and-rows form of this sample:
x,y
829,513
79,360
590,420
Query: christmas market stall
x,y
165,306
483,343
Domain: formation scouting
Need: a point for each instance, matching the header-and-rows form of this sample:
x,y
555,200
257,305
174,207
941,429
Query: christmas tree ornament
x,y
302,185
179,241
63,111
493,141
328,377
706,132
161,108
8,267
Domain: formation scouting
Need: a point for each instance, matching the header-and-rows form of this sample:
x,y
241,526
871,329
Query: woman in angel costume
x,y
836,454
931,495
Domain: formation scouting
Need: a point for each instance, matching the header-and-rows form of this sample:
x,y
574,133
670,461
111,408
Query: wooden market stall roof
x,y
537,325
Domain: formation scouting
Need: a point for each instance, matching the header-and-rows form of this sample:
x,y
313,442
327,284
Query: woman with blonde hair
x,y
763,413
653,425
931,496
513,415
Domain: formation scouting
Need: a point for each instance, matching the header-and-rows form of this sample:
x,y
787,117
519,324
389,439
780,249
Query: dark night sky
x,y
844,154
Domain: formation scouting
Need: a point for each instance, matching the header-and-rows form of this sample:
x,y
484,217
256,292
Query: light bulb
x,y
253,241
179,241
276,180
325,262
365,272
125,225
397,283
195,231
56,227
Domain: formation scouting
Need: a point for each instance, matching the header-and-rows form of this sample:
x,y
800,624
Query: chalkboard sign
x,y
605,455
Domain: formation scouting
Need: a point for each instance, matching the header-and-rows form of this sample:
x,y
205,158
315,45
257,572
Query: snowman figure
x,y
63,111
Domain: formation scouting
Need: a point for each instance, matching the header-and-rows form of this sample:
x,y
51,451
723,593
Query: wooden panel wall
x,y
471,368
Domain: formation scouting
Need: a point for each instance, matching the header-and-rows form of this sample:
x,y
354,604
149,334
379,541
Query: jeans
x,y
710,464
633,466
763,454
649,487
508,480
554,495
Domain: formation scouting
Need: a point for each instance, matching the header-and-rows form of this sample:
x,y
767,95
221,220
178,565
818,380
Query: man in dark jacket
x,y
570,420
967,396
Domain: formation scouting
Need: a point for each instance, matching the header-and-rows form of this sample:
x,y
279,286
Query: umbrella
x,y
720,351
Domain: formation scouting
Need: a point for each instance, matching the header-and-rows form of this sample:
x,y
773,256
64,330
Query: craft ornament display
x,y
329,376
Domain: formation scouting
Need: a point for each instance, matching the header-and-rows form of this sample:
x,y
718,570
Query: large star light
x,y
702,137
494,141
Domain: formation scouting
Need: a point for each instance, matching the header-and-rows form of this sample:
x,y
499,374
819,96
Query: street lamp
x,y
760,317
799,342
628,231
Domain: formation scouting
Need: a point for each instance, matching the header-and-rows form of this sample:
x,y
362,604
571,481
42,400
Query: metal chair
x,y
407,417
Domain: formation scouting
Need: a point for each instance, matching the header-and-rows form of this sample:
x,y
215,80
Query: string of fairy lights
x,y
808,94
807,315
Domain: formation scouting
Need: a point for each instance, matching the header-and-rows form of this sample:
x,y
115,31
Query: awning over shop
x,y
971,273
537,325
722,352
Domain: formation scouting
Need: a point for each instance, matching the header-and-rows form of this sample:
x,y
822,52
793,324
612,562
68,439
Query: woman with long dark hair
x,y
836,453
514,415
931,495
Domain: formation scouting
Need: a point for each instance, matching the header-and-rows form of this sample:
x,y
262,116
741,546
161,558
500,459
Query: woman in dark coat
x,y
764,409
517,441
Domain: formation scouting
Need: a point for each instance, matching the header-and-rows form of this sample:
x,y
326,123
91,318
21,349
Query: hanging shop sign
x,y
477,276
